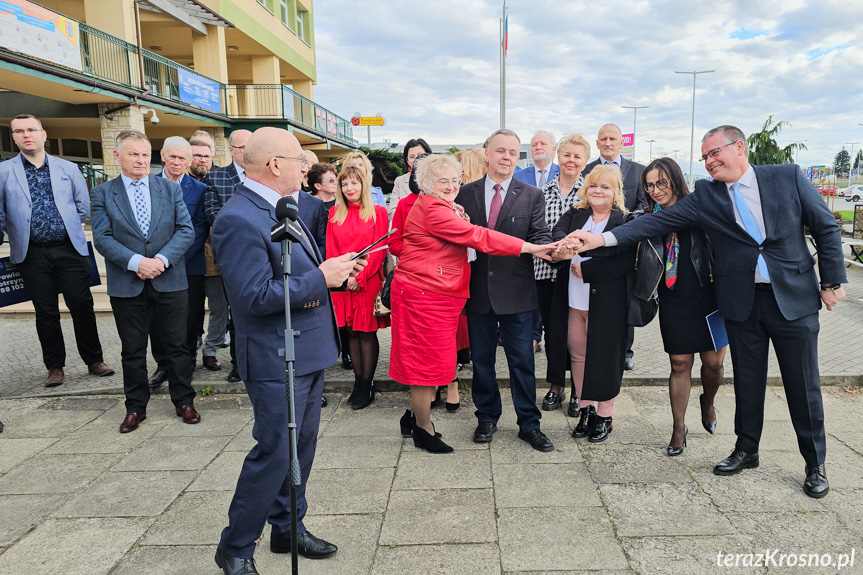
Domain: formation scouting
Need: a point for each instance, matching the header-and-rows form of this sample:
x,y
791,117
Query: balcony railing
x,y
114,60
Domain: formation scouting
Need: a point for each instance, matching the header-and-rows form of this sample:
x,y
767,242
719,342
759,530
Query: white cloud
x,y
432,68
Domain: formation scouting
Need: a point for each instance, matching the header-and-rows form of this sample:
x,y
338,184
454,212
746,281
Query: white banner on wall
x,y
35,31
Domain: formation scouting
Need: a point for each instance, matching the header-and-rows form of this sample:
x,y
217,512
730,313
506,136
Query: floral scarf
x,y
458,209
672,249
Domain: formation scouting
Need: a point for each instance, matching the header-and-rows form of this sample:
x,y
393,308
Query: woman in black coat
x,y
588,322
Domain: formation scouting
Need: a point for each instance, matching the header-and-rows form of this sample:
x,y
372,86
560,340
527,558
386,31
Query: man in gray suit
x,y
766,287
43,201
142,227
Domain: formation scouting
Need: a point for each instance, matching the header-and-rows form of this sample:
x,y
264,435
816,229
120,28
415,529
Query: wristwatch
x,y
830,287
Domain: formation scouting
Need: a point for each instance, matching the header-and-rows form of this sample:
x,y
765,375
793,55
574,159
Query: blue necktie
x,y
141,213
750,225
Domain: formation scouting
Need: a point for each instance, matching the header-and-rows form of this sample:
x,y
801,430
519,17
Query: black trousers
x,y
194,323
47,271
796,346
544,295
133,316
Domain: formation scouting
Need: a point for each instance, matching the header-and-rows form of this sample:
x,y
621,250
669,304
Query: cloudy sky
x,y
432,68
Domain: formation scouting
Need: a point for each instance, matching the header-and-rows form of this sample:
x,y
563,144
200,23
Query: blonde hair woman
x,y
360,161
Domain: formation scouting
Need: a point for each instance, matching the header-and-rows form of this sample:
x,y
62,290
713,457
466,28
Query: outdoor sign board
x,y
368,121
626,150
12,285
30,29
199,91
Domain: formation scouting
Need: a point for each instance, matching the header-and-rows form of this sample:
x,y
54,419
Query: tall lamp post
x,y
635,110
675,155
650,157
851,160
692,135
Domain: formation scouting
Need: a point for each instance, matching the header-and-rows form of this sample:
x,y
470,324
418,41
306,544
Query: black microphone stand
x,y
286,232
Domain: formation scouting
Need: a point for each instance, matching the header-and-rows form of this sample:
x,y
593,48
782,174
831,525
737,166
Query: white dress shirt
x,y
489,192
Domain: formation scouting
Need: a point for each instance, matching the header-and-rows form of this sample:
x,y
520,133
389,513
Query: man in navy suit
x,y
543,147
766,286
176,156
314,215
503,292
143,229
43,201
221,183
252,271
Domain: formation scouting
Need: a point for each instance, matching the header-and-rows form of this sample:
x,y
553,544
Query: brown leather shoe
x,y
55,377
211,363
188,413
131,422
99,369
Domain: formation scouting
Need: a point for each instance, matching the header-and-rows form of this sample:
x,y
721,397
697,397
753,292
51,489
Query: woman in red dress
x,y
354,223
430,288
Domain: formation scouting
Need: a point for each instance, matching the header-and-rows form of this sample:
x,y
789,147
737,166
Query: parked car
x,y
852,193
827,189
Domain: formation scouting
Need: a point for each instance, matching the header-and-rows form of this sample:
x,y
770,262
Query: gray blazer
x,y
70,196
118,237
634,195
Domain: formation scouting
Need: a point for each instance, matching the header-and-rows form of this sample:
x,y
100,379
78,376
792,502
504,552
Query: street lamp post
x,y
650,156
675,155
851,159
692,135
635,110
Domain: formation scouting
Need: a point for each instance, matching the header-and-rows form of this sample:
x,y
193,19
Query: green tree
x,y
842,162
763,148
387,167
858,160
454,149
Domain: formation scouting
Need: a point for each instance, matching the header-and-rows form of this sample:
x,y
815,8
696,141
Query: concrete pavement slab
x,y
127,494
93,438
243,441
844,466
673,509
21,513
551,485
689,555
847,504
439,516
768,488
73,546
616,463
54,473
173,453
221,474
53,423
340,491
455,559
14,451
341,452
532,539
195,518
168,560
424,470
229,423
506,447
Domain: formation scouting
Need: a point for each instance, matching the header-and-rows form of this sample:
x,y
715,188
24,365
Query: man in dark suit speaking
x,y
252,271
766,286
503,291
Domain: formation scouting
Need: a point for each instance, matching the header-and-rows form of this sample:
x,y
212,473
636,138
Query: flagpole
x,y
503,41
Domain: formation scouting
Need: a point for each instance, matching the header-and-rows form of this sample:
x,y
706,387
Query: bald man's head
x,y
280,149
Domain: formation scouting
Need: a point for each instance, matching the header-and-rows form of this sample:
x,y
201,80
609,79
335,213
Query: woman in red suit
x,y
430,288
354,223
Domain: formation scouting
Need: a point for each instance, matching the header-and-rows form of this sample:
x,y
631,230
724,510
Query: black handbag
x,y
640,311
387,289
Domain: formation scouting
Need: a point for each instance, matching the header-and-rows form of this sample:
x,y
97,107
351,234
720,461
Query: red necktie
x,y
494,210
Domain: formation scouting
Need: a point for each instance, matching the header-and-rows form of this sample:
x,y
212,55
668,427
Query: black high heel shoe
x,y
406,423
437,398
365,394
710,426
431,443
672,451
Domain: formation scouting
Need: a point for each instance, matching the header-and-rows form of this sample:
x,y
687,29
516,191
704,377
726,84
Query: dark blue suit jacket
x,y
251,267
314,215
193,197
789,202
528,175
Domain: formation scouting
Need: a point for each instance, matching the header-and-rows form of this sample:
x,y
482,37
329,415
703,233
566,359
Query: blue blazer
x,y
314,215
251,267
118,237
528,175
193,197
70,196
789,202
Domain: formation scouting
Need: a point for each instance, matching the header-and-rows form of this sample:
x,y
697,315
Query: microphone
x,y
287,229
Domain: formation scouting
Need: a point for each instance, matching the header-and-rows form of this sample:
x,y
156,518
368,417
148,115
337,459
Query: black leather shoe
x,y
585,421
736,462
537,440
628,364
602,428
816,481
235,565
431,443
308,546
324,401
484,431
159,377
572,408
1,427
675,451
406,423
365,394
346,361
234,376
553,400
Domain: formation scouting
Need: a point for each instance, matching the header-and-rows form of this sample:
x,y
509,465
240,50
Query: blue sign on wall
x,y
199,91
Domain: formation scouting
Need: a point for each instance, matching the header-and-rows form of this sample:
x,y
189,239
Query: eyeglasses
x,y
715,151
443,182
201,157
301,160
660,186
328,181
28,130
